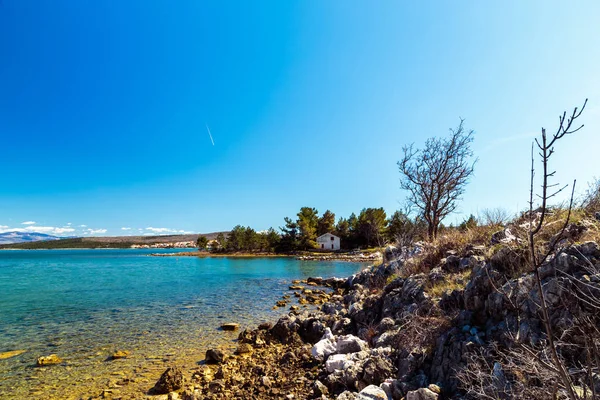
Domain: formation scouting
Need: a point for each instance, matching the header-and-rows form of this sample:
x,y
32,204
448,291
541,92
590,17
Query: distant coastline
x,y
112,242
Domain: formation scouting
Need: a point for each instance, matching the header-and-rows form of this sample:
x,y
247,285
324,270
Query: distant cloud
x,y
160,230
94,231
125,229
60,231
50,230
153,231
83,226
64,230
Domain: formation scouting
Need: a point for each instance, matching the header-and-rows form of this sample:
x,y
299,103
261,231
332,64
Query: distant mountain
x,y
25,237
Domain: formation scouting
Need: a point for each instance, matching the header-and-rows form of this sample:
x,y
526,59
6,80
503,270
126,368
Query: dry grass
x,y
452,282
419,333
452,239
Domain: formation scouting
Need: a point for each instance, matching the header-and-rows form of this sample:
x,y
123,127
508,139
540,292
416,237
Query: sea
x,y
84,305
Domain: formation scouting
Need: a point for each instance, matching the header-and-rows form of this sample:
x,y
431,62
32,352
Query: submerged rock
x,y
230,326
52,359
120,354
10,354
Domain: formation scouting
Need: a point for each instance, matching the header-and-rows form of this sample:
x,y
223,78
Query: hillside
x,y
108,241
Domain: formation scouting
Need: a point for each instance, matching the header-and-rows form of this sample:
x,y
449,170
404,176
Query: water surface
x,y
85,304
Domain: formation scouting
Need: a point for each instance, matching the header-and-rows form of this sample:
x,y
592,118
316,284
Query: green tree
x,y
290,237
308,221
202,242
468,223
353,234
273,239
342,229
371,226
397,225
250,240
219,243
235,240
326,223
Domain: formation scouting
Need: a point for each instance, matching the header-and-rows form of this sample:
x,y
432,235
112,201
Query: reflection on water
x,y
85,304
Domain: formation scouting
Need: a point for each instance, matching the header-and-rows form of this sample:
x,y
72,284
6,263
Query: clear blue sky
x,y
104,106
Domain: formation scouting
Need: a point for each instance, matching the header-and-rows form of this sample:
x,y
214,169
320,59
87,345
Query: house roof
x,y
327,234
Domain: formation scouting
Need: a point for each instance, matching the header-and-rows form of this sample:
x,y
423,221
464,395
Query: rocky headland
x,y
390,332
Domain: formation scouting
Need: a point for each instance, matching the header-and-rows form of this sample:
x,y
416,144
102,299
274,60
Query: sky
x,y
104,106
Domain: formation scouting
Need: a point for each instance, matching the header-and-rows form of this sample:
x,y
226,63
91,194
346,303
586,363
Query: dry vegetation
x,y
451,282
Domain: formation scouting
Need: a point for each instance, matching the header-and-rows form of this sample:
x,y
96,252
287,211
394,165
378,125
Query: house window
x,y
332,246
332,238
322,246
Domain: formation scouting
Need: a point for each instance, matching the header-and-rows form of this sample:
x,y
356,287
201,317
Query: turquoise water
x,y
84,304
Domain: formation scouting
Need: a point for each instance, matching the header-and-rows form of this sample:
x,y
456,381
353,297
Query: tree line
x,y
370,228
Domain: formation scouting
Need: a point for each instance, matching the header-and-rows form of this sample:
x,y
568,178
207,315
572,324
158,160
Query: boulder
x,y
421,394
169,381
376,370
391,253
347,395
413,288
285,330
52,359
451,264
311,330
350,344
265,326
324,347
319,389
372,392
336,361
504,236
316,280
244,348
214,356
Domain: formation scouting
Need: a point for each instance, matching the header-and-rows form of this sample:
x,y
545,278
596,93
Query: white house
x,y
328,241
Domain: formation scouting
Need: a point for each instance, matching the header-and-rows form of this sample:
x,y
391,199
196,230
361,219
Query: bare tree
x,y
567,361
591,199
546,149
435,177
495,216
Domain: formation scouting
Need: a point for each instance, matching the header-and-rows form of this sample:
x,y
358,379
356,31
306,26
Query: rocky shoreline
x,y
348,257
382,334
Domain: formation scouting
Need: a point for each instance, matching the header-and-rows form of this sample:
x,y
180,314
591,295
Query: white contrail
x,y
209,134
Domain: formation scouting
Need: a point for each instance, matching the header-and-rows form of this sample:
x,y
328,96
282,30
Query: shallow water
x,y
85,304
